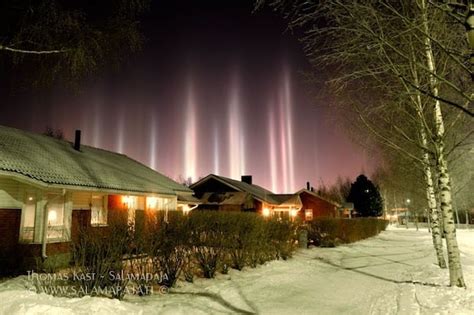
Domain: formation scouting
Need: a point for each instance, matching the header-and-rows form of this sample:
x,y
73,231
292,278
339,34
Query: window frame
x,y
103,210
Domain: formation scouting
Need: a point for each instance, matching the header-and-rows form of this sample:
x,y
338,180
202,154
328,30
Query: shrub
x,y
208,233
244,238
169,246
330,232
208,241
98,254
282,235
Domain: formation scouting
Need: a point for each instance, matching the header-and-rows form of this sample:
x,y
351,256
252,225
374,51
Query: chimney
x,y
308,186
77,141
247,179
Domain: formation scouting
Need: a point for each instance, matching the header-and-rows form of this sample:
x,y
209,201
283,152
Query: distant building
x,y
315,206
50,188
226,194
220,193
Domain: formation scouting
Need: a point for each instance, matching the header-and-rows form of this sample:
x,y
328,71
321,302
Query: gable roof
x,y
51,162
188,198
312,193
287,199
228,198
256,191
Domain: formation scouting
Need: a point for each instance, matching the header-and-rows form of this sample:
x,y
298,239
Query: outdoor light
x,y
266,212
408,200
293,213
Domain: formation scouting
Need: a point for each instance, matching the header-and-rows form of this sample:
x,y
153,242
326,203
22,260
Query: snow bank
x,y
393,273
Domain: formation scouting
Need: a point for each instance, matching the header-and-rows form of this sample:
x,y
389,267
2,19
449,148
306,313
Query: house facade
x,y
314,206
50,189
225,194
220,193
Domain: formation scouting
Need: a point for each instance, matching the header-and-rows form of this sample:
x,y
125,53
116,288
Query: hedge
x,y
330,232
199,244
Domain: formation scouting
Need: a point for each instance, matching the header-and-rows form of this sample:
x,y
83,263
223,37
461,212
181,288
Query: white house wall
x,y
81,200
10,195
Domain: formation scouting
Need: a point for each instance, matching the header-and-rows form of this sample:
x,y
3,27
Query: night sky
x,y
216,89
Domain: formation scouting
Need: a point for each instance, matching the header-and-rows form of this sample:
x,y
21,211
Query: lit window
x,y
98,211
151,203
56,226
308,214
130,202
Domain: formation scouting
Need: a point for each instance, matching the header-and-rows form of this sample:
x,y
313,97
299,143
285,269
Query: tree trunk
x,y
467,220
429,224
454,260
457,215
433,215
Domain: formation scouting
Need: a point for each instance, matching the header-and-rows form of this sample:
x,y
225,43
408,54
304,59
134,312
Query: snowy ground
x,y
393,273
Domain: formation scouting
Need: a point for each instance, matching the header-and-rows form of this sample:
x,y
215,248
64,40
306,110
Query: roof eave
x,y
43,185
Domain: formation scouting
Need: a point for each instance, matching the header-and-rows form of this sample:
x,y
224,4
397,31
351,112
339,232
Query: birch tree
x,y
410,52
52,40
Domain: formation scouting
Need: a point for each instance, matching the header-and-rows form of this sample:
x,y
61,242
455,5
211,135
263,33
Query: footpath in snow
x,y
393,273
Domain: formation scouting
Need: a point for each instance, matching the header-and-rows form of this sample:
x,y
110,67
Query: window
x,y
58,209
28,226
308,214
56,218
151,203
98,211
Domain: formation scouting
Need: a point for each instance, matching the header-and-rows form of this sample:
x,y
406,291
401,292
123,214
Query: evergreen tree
x,y
366,197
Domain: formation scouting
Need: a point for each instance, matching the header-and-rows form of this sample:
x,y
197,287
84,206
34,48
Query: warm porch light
x,y
266,212
293,212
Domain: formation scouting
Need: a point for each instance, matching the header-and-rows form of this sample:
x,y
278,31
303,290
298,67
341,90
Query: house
x,y
50,188
226,194
314,206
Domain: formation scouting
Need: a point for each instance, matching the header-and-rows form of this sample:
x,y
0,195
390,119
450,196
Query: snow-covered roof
x,y
55,163
258,192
